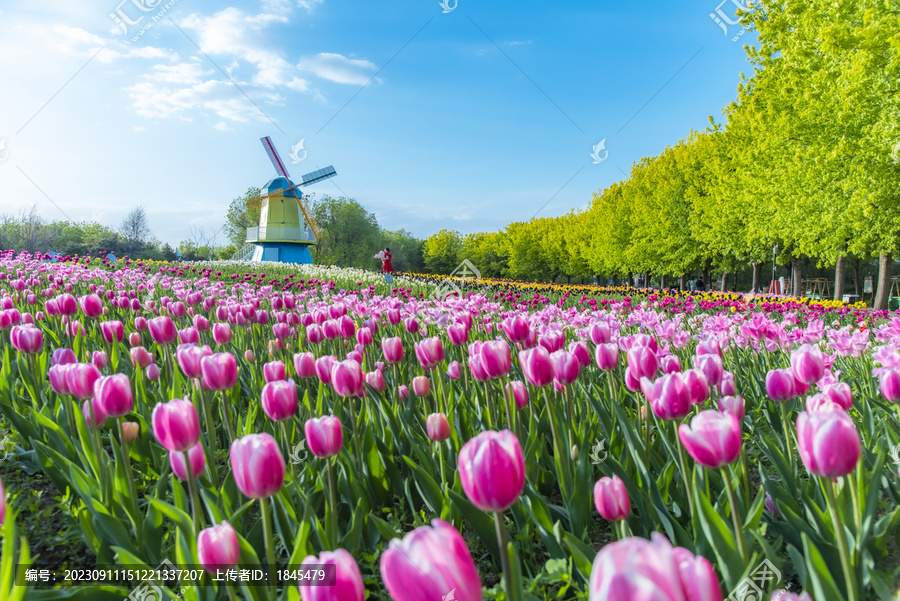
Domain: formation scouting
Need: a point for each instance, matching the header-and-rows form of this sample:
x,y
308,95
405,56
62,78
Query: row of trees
x,y
351,234
806,162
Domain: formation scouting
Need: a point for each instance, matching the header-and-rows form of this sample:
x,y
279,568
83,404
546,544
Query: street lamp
x,y
774,254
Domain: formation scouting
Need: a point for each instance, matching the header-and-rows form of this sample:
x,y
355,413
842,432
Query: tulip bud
x,y
829,443
421,386
611,499
176,425
279,400
218,548
574,452
258,465
99,413
152,372
713,439
492,470
324,436
348,585
438,427
131,431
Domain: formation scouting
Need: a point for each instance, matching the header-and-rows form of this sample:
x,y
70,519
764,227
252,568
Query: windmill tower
x,y
283,236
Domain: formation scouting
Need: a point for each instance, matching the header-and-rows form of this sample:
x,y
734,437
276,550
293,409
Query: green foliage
x,y
442,251
351,234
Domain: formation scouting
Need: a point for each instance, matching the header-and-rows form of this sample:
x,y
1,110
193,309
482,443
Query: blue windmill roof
x,y
280,183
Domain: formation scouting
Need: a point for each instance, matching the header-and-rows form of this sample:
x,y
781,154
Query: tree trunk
x,y
757,276
884,282
707,281
856,267
662,282
724,283
681,283
796,276
631,278
734,280
839,278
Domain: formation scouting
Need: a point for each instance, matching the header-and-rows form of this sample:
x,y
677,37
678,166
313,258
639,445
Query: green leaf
x,y
819,573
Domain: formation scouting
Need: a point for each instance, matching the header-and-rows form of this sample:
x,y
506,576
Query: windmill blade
x,y
313,224
273,156
317,176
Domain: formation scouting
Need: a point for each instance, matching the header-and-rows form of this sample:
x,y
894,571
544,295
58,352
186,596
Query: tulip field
x,y
244,431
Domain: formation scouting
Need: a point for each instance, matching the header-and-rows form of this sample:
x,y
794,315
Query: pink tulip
x,y
99,413
134,339
347,378
492,470
780,384
808,364
346,326
392,348
711,366
477,369
438,427
713,439
114,392
669,396
201,323
331,329
553,341
348,584
26,339
324,365
63,356
279,400
218,548
274,370
565,367
162,330
140,357
67,304
635,568
113,331
218,371
839,393
176,425
305,365
727,386
80,379
458,333
454,371
324,436
375,379
642,362
197,458
221,333
582,353
732,404
421,386
697,386
411,325
430,563
257,465
189,356
771,507
516,328
829,443
889,384
600,333
91,305
495,358
152,372
670,364
519,393
403,391
100,359
314,334
189,335
57,376
537,366
611,499
429,352
606,355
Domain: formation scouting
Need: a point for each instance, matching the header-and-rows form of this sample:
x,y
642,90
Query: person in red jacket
x,y
386,265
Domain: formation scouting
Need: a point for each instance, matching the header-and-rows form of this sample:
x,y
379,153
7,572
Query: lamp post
x,y
774,254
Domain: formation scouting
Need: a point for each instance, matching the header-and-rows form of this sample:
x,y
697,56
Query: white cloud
x,y
517,43
338,68
181,73
222,126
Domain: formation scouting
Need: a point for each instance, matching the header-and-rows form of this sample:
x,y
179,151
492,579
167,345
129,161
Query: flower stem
x,y
504,557
735,514
130,476
332,506
787,436
211,442
270,542
850,580
192,488
684,472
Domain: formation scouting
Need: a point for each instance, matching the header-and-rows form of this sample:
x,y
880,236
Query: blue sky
x,y
466,119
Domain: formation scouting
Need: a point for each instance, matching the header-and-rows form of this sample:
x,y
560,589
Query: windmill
x,y
282,236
